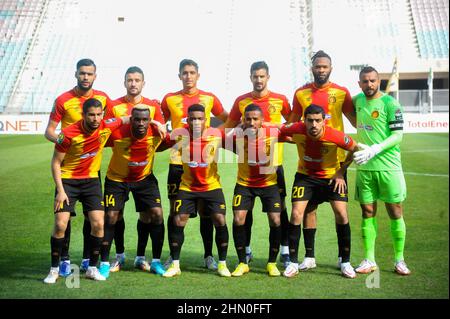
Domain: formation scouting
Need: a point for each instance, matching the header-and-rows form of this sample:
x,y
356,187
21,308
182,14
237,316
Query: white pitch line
x,y
414,173
426,151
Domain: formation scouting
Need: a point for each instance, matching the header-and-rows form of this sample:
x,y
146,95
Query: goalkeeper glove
x,y
367,153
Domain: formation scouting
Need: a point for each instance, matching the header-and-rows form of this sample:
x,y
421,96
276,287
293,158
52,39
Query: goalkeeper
x,y
379,174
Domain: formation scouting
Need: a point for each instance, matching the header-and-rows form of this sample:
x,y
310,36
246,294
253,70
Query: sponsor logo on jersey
x,y
87,155
327,116
111,120
365,127
135,164
310,159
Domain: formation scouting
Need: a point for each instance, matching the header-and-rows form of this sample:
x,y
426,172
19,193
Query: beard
x,y
319,80
81,87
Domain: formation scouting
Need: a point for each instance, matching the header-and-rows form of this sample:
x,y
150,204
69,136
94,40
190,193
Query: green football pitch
x,y
26,221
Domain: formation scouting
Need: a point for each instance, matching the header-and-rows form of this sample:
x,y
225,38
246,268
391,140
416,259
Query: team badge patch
x,y
375,114
332,99
60,138
111,120
346,140
272,109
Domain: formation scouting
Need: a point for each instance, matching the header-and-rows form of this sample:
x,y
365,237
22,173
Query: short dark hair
x,y
367,69
185,62
86,62
134,69
314,109
196,108
258,66
320,54
252,107
91,103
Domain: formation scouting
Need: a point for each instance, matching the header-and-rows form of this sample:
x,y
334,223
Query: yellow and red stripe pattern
x,y
318,158
334,99
83,151
274,107
122,107
199,158
68,107
255,164
175,105
132,159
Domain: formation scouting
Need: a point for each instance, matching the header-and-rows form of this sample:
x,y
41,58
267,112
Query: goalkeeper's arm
x,y
369,152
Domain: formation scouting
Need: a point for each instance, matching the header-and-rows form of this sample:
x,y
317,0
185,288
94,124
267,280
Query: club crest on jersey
x,y
272,109
111,120
375,114
331,99
60,138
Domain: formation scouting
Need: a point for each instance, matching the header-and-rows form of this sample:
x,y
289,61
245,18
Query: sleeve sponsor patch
x,y
398,115
60,138
346,140
111,120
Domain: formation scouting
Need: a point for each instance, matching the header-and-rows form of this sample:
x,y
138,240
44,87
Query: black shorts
x,y
213,201
316,190
281,182
145,193
244,198
88,191
174,180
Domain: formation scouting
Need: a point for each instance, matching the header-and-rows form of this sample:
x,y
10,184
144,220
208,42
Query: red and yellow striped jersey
x,y
334,99
318,158
132,159
122,107
256,158
175,105
84,151
68,107
199,158
273,105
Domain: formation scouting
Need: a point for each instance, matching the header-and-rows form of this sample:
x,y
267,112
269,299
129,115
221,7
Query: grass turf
x,y
26,221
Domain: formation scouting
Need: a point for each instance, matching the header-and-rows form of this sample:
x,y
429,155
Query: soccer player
x,y
379,175
257,177
134,83
274,107
336,101
199,181
75,166
130,169
68,109
319,177
174,107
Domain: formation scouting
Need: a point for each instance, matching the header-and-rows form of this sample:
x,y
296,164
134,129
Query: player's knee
x,y
112,217
218,219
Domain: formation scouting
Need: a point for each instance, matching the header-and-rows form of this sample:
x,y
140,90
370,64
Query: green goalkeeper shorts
x,y
388,186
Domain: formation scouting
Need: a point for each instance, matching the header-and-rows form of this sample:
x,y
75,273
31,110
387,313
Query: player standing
x,y
275,107
174,107
379,174
75,166
134,83
336,101
68,109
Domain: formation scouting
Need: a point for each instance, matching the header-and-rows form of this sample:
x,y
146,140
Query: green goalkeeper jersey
x,y
376,119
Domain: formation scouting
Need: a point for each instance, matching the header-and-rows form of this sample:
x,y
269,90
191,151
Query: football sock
x,y
65,247
222,238
95,244
239,241
169,225
107,240
176,239
56,245
295,232
309,236
369,234
398,233
119,233
157,236
274,243
344,241
207,232
143,232
284,227
248,228
86,238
